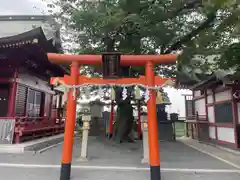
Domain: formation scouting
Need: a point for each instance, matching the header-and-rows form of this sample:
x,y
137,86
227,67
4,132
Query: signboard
x,y
111,65
6,130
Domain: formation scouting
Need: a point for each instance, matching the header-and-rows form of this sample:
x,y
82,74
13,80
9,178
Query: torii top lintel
x,y
126,60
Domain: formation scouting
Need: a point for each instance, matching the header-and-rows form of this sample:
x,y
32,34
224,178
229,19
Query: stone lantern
x,y
86,118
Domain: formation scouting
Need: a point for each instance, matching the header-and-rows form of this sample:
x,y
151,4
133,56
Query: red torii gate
x,y
75,79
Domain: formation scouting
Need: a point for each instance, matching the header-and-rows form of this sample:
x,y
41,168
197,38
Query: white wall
x,y
223,96
200,106
211,116
197,93
209,91
34,82
210,99
226,134
177,99
212,132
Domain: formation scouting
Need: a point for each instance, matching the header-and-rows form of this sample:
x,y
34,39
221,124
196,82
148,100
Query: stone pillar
x,y
145,159
86,119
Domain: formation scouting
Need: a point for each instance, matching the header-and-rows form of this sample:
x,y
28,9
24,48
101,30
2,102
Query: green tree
x,y
216,47
196,28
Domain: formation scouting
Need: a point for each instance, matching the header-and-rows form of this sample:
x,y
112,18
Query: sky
x,y
23,7
37,7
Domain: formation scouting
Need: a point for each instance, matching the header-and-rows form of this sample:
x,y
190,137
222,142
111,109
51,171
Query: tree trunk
x,y
124,121
124,115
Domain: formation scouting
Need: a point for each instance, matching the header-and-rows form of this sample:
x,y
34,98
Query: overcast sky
x,y
22,7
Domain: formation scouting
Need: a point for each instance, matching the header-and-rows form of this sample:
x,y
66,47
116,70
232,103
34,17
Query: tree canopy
x,y
206,32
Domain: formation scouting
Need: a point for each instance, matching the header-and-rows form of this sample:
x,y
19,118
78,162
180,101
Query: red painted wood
x,y
227,125
222,89
139,120
223,102
223,142
12,95
198,97
25,129
206,102
235,118
5,80
214,112
126,60
219,102
111,119
211,104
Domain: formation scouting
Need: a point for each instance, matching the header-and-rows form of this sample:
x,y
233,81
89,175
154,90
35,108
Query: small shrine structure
x,y
213,112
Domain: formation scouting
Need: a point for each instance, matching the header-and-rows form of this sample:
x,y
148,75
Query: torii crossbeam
x,y
83,80
126,60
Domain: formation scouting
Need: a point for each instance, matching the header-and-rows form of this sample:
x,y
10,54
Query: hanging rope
x,y
124,86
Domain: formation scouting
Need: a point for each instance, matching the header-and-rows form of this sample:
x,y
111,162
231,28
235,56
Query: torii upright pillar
x,y
154,153
69,126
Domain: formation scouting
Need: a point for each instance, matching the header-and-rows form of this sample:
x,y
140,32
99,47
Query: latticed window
x,y
21,100
48,103
34,103
224,113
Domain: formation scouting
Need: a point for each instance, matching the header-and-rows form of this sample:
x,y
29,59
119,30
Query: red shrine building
x,y
29,106
213,112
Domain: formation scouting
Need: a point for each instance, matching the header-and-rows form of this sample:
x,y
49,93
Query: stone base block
x,y
83,159
145,161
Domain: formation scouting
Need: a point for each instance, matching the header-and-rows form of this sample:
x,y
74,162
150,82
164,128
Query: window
x,y
224,113
48,103
21,100
54,102
34,103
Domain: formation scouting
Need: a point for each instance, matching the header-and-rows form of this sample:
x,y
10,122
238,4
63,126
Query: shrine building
x,y
29,106
213,112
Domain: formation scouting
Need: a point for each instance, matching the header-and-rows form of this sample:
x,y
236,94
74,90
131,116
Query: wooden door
x,y
4,96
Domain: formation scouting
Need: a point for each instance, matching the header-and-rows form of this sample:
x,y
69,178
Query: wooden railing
x,y
197,127
27,128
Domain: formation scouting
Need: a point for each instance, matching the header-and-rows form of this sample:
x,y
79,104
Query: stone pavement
x,y
229,156
111,161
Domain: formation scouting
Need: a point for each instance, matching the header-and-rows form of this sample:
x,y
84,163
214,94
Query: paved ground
x,y
227,155
110,161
